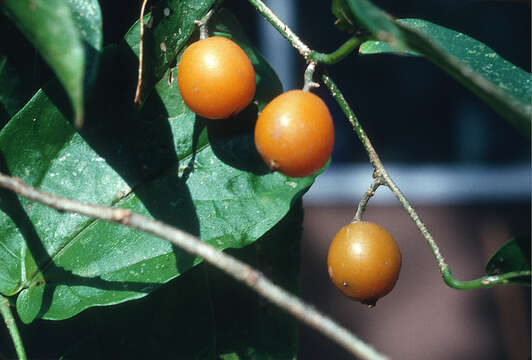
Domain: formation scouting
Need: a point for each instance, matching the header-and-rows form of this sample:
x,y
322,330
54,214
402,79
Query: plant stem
x,y
9,320
283,29
380,172
339,54
364,201
193,245
483,282
309,54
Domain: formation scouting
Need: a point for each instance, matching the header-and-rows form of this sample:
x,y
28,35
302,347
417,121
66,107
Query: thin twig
x,y
193,245
5,310
283,29
141,53
364,201
380,172
344,50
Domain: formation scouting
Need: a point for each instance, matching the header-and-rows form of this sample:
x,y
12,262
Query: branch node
x,y
252,278
121,215
309,74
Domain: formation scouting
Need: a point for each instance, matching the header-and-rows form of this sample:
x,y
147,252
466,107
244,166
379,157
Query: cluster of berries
x,y
294,134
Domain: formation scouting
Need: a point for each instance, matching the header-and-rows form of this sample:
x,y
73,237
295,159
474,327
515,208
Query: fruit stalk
x,y
380,172
365,199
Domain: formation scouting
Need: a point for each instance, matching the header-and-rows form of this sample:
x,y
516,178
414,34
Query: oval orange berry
x,y
216,78
364,261
294,133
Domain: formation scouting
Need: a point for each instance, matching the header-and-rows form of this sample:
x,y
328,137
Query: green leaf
x,y
514,255
167,29
505,87
202,314
205,177
67,34
344,19
87,18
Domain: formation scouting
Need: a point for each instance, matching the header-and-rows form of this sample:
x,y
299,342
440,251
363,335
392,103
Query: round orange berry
x,y
216,78
364,261
294,133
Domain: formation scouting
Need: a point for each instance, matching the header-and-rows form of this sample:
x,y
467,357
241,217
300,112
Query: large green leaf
x,y
502,85
167,29
514,255
67,34
202,176
201,314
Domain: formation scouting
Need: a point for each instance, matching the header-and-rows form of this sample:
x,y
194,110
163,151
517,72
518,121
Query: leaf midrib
x,y
40,270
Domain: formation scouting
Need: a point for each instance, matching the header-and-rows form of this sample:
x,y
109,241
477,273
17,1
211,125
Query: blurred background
x,y
464,168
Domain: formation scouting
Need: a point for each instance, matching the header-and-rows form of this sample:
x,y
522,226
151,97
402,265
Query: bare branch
x,y
235,268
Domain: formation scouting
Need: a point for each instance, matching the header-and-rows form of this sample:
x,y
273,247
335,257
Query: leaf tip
x,y
78,122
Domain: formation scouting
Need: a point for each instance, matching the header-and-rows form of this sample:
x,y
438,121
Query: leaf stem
x,y
5,309
339,54
195,246
483,282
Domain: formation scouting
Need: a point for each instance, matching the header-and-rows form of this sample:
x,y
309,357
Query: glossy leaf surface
x,y
204,314
67,34
202,176
503,86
